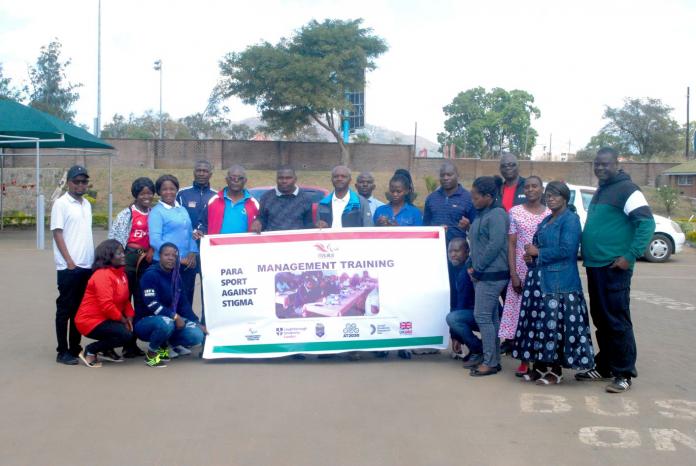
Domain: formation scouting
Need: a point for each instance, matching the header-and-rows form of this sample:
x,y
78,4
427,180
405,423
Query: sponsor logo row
x,y
349,330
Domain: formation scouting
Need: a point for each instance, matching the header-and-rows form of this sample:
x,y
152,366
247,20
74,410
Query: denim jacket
x,y
558,244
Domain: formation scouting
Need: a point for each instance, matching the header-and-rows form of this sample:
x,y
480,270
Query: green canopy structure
x,y
22,127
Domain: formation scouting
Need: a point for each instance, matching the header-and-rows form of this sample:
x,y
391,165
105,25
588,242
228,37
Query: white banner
x,y
325,291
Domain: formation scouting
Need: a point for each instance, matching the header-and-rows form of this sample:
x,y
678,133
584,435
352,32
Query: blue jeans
x,y
462,327
160,330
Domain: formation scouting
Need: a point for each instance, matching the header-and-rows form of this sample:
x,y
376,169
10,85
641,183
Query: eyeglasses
x,y
550,195
79,181
235,179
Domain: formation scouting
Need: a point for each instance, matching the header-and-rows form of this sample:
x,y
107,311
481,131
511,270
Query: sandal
x,y
549,378
532,375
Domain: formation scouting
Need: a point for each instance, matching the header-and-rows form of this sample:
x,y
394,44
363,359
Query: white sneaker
x,y
172,353
182,350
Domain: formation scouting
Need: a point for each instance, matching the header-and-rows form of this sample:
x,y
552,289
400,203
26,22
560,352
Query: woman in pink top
x,y
524,219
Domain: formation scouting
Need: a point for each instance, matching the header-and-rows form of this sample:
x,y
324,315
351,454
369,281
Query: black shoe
x,y
473,361
67,359
110,355
592,375
404,354
619,385
381,354
130,353
506,347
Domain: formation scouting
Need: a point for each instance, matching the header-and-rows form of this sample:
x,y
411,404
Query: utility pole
x,y
686,150
550,141
158,67
97,130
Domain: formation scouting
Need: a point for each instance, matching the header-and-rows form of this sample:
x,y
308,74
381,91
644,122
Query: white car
x,y
668,238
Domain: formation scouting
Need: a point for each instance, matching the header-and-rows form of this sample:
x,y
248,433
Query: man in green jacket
x,y
619,227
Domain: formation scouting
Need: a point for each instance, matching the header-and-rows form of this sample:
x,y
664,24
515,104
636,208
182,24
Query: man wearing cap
x,y
73,252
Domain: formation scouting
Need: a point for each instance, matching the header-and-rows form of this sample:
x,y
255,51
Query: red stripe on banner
x,y
323,236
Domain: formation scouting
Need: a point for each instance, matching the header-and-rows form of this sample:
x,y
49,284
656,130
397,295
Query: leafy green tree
x,y
202,126
602,139
484,124
644,127
361,138
669,197
50,90
303,79
145,126
7,90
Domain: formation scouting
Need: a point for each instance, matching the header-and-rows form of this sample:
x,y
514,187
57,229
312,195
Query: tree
x,y
644,127
602,139
303,79
361,138
7,90
484,124
202,126
50,91
145,126
669,197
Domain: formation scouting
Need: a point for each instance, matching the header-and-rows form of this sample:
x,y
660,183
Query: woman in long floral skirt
x,y
553,331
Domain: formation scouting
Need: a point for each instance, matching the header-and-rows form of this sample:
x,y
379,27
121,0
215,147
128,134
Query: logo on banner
x,y
319,330
351,331
290,332
405,328
253,335
326,251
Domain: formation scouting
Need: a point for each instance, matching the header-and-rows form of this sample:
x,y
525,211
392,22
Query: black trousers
x,y
610,290
71,289
109,334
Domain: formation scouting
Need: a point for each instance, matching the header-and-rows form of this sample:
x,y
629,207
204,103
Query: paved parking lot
x,y
426,411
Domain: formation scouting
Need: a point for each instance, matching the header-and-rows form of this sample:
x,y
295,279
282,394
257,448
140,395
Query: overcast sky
x,y
575,57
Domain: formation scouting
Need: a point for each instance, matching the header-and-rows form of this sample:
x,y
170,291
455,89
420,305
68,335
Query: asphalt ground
x,y
426,411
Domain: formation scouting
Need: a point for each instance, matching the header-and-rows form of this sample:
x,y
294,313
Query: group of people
x,y
520,248
512,245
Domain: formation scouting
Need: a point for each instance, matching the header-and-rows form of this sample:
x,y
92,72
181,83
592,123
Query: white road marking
x,y
628,407
626,438
665,438
543,403
658,300
684,409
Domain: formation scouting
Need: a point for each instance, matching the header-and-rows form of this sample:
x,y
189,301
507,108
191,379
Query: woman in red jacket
x,y
106,314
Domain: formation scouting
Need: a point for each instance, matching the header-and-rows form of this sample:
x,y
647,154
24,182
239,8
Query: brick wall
x,y
268,155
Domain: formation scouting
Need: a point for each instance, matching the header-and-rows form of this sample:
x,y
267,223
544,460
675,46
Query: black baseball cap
x,y
77,170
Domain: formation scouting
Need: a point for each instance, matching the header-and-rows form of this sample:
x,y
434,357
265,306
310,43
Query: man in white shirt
x,y
343,207
365,184
73,252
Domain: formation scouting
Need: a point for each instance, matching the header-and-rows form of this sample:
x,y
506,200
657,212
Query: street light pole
x,y
158,67
97,131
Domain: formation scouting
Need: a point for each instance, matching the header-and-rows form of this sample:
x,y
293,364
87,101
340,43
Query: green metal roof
x,y
19,120
688,168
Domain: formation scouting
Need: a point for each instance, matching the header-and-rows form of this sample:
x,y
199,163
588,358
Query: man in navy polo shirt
x,y
450,206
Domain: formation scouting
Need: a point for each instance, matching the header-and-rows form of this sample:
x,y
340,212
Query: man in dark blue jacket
x,y
343,207
461,318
